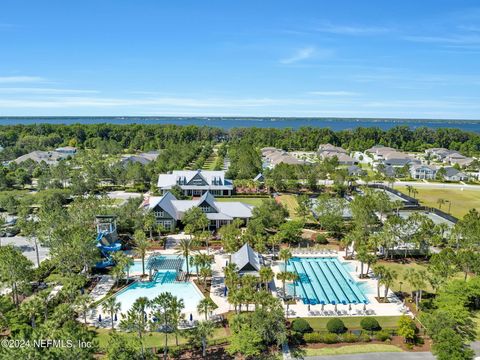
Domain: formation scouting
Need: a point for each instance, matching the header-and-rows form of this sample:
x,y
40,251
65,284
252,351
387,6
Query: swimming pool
x,y
162,282
324,281
136,268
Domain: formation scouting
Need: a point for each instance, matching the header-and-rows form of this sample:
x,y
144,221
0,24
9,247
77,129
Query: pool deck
x,y
394,308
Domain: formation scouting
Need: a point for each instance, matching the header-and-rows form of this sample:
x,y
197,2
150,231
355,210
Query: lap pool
x,y
324,281
162,282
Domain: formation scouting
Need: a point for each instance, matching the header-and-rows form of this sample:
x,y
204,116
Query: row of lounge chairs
x,y
341,312
313,251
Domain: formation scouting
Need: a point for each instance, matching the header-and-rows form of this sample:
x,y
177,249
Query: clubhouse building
x,y
196,182
169,211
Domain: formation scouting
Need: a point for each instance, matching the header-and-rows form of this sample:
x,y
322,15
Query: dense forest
x,y
108,138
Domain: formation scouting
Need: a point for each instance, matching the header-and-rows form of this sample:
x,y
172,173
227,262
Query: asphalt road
x,y
27,248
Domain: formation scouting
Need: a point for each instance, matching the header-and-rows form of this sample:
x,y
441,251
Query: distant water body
x,y
238,122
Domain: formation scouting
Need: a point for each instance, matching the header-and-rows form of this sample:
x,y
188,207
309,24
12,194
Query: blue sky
x,y
403,59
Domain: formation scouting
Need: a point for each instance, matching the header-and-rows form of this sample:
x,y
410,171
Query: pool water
x,y
324,281
162,282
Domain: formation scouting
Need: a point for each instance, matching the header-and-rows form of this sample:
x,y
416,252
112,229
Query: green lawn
x,y
352,323
352,349
153,339
461,201
290,202
247,200
401,270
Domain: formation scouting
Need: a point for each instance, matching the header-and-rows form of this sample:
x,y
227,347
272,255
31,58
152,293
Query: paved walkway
x,y
102,288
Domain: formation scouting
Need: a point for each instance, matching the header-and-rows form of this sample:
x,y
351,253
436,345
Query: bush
x,y
321,239
383,335
336,326
350,338
370,324
330,338
312,338
301,326
364,338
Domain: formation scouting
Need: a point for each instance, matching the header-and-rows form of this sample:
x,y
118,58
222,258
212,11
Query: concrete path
x,y
102,288
377,356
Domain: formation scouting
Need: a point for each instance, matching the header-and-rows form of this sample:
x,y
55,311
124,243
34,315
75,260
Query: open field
x,y
153,339
352,323
290,202
461,200
247,200
352,349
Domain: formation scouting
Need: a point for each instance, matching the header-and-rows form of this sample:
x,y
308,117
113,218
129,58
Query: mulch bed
x,y
396,340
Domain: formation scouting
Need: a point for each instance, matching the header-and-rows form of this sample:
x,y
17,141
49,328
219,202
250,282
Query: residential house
x,y
273,156
169,211
457,158
143,158
452,174
354,170
422,171
196,182
378,151
48,157
329,151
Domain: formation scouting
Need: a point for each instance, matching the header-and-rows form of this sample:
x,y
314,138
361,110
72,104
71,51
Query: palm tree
x,y
136,320
162,312
204,330
388,277
414,192
416,279
274,240
266,275
409,189
141,246
205,273
149,222
176,307
283,276
112,306
440,202
31,310
84,302
206,306
185,247
285,254
379,270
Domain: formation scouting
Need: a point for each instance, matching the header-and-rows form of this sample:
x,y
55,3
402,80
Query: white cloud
x,y
351,30
20,79
300,55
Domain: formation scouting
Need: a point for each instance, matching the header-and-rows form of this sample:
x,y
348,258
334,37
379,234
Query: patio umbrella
x,y
115,318
225,291
349,307
99,317
333,302
308,306
323,304
364,305
191,317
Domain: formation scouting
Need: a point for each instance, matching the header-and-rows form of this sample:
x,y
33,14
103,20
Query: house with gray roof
x,y
247,260
329,151
273,156
48,157
422,171
143,158
196,182
452,174
169,211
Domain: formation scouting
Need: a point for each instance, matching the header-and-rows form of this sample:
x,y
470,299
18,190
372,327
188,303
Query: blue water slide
x,y
341,297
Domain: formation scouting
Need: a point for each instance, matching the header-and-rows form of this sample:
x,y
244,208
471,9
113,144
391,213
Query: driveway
x,y
27,248
377,356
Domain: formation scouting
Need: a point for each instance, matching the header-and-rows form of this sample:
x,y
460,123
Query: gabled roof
x,y
165,202
209,199
246,259
212,178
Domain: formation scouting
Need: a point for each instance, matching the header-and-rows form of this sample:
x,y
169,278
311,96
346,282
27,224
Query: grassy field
x,y
290,202
352,323
153,339
461,201
401,270
247,200
352,349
